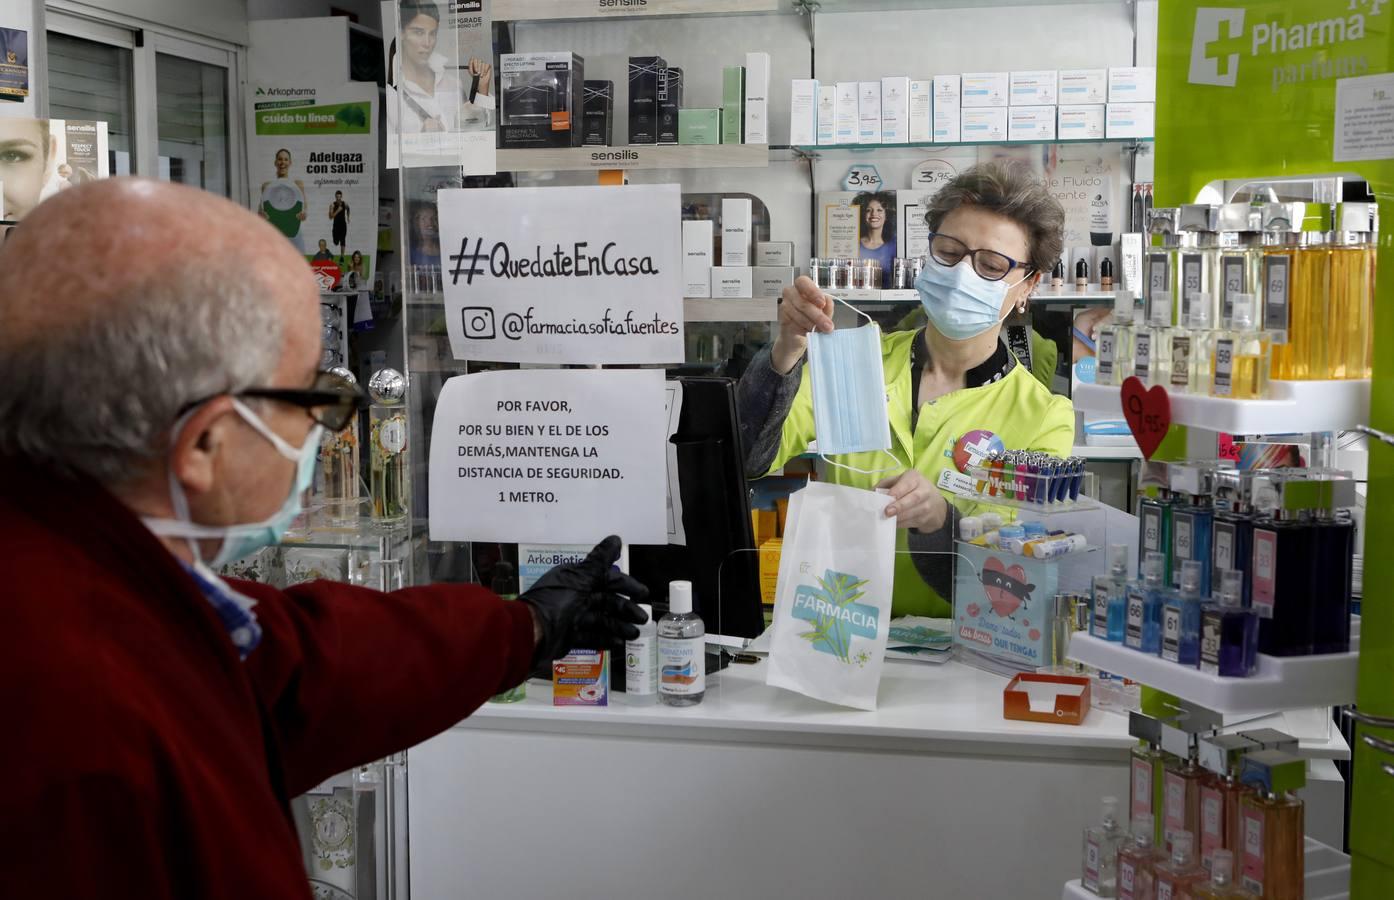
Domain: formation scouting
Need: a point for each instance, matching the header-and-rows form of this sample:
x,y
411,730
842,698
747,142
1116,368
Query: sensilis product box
x,y
1083,87
770,281
732,104
921,109
1081,123
735,231
541,99
845,112
985,124
598,114
732,282
827,120
669,103
1132,84
699,126
803,112
982,89
1130,120
1031,123
757,94
947,107
581,678
895,110
774,253
869,112
697,257
1034,88
644,73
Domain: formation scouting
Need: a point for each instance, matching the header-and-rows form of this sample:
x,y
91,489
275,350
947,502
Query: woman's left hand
x,y
915,502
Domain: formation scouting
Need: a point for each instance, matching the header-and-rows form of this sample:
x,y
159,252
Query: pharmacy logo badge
x,y
832,609
1205,69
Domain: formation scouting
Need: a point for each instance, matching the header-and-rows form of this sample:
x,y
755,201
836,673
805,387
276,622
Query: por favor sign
x,y
550,456
582,275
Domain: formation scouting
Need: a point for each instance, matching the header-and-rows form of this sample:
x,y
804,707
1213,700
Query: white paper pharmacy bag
x,y
832,610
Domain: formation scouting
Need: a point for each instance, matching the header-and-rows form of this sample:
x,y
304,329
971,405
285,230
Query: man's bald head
x,y
126,299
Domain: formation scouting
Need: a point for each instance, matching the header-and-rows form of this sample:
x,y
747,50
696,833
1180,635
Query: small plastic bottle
x,y
1175,879
1221,885
641,663
1101,843
681,650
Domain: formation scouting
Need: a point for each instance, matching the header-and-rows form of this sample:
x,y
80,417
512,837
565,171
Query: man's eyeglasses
x,y
332,400
989,264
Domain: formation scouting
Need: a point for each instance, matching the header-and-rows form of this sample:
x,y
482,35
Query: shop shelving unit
x,y
1291,407
646,156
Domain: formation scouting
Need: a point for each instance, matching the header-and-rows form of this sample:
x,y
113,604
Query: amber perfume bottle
x,y
1271,825
1146,763
1181,782
1137,859
1175,877
1222,756
1297,281
1221,885
1352,290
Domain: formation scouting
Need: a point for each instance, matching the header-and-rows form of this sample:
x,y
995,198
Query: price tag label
x,y
1224,367
1276,310
1142,355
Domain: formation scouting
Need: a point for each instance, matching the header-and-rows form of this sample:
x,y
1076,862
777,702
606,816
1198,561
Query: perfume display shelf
x,y
1291,407
1326,874
1279,682
638,156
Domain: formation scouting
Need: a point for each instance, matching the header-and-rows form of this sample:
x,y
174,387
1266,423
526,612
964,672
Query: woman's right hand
x,y
804,308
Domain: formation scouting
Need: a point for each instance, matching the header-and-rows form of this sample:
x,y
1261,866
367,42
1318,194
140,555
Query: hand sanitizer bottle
x,y
681,650
641,663
1101,844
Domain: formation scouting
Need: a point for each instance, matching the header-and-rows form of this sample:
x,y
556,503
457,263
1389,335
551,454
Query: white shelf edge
x,y
703,309
564,10
634,157
1292,407
1279,683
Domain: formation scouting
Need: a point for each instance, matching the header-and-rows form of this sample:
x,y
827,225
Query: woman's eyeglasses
x,y
989,264
332,400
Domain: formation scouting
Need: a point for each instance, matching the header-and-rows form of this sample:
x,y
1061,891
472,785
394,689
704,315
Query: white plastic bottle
x,y
641,664
681,650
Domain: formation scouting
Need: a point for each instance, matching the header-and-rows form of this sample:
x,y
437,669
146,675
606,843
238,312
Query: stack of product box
x,y
975,107
736,278
657,116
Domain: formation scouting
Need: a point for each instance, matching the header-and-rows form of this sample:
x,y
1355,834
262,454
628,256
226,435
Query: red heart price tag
x,y
1148,413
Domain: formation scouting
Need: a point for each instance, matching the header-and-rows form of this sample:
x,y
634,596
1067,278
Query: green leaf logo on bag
x,y
835,614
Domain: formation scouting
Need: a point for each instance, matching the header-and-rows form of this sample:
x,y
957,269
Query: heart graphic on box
x,y
1148,412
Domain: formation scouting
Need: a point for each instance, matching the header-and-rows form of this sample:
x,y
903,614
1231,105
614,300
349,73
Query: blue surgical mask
x,y
960,303
243,540
849,390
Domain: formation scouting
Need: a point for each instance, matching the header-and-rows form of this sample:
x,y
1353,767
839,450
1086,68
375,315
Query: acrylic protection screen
x,y
849,392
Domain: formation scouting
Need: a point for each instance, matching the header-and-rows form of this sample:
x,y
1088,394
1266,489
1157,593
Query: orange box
x,y
781,508
581,678
765,524
1063,699
770,551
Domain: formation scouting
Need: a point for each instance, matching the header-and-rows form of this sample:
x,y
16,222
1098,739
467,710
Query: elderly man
x,y
160,413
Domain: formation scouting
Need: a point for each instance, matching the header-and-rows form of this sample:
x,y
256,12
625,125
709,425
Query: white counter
x,y
759,792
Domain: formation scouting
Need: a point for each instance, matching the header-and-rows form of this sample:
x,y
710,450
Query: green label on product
x,y
301,120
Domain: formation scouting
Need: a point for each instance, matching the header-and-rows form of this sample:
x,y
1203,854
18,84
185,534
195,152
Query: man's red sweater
x,y
143,758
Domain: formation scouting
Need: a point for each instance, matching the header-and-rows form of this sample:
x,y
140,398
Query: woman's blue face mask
x,y
960,303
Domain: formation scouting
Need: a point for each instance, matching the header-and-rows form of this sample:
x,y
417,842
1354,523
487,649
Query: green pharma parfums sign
x,y
1250,90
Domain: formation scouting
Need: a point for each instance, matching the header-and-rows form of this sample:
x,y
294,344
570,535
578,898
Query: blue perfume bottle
x,y
1232,540
1145,599
1228,631
1110,601
1154,529
1181,617
1192,523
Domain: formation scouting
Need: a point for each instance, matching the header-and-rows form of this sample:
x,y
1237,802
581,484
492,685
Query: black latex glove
x,y
579,605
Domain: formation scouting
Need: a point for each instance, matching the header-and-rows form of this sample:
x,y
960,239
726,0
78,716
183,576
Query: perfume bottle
x,y
1181,781
1152,344
1285,557
1192,521
1115,342
1161,264
1111,596
1221,885
1352,290
1222,756
391,472
1271,826
1137,859
1241,359
1241,259
1199,260
1145,597
1175,878
1146,763
1181,617
1154,527
1232,541
1335,553
1228,631
1201,351
1297,278
1101,842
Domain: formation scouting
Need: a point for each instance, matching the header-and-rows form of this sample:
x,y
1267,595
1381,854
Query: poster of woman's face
x,y
28,155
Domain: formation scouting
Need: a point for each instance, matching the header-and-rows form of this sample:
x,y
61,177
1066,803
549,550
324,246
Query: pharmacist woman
x,y
953,388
